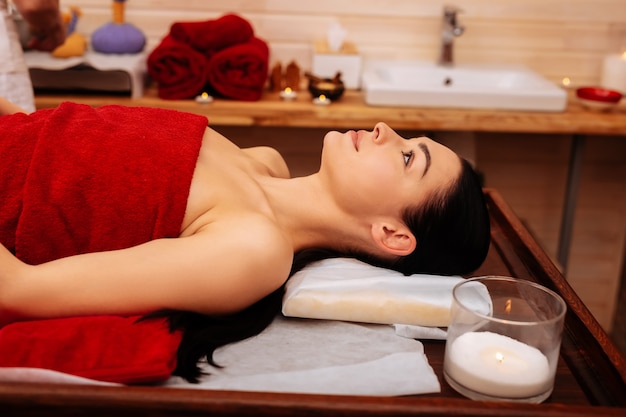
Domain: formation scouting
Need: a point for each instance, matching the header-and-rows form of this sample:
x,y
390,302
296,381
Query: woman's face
x,y
380,172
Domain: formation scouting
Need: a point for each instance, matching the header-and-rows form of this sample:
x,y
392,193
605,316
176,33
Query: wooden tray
x,y
591,376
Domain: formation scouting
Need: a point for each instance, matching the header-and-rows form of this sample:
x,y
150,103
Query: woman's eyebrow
x,y
424,149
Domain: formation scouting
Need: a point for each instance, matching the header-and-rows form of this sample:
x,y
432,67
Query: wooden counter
x,y
352,113
590,381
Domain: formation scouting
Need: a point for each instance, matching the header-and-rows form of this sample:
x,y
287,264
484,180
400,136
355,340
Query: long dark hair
x,y
452,230
453,236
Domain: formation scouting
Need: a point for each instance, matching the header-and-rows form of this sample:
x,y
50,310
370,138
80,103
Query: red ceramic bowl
x,y
598,98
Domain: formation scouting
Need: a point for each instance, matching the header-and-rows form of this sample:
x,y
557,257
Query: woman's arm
x,y
219,270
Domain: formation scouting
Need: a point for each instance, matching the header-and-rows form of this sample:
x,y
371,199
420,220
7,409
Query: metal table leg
x,y
571,197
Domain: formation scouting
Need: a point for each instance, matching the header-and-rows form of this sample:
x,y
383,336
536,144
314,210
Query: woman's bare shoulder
x,y
271,158
250,251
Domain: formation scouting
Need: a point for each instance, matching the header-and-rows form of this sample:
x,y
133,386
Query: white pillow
x,y
350,290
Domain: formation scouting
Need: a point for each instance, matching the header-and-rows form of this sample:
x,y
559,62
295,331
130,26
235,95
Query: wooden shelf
x,y
352,113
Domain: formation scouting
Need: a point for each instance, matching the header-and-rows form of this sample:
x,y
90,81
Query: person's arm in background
x,y
6,107
45,22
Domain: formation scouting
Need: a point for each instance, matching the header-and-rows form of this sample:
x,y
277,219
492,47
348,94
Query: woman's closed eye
x,y
408,156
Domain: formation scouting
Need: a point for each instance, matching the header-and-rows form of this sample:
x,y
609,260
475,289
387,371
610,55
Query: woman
x,y
412,205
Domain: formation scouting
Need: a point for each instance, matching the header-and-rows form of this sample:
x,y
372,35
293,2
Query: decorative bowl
x,y
331,88
597,98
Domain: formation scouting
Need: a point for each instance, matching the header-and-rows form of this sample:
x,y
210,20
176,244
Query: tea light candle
x,y
321,100
204,98
566,82
288,94
614,72
497,365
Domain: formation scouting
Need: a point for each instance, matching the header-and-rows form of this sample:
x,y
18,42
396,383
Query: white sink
x,y
425,84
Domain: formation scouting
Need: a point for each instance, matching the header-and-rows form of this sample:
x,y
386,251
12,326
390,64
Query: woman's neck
x,y
306,212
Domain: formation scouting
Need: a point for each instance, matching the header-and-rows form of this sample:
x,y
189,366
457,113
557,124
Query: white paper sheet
x,y
323,357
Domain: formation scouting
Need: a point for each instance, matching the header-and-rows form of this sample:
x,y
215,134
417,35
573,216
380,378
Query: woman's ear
x,y
394,238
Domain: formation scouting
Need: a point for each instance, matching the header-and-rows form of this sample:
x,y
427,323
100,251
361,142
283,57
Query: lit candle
x,y
566,82
321,100
204,98
614,72
498,366
288,94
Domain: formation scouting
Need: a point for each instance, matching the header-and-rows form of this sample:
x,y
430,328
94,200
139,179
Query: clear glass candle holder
x,y
504,339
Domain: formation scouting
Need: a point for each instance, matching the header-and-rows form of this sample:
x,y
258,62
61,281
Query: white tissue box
x,y
327,63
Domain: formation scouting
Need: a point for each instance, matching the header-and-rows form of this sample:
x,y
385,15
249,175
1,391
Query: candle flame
x,y
288,90
499,357
624,55
507,306
322,97
566,81
205,95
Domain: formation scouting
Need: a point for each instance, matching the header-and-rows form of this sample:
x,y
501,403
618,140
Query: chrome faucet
x,y
449,30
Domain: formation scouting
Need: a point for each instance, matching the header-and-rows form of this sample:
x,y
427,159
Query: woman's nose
x,y
380,132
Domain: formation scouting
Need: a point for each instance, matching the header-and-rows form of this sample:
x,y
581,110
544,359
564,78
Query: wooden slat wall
x,y
557,38
530,172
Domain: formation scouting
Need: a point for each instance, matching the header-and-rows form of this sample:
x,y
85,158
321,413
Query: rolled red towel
x,y
178,69
240,71
211,36
104,348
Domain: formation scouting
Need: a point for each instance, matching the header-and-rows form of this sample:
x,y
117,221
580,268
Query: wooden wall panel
x,y
530,172
597,256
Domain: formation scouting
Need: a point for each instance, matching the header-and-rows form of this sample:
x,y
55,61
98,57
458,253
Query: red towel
x,y
240,71
107,178
211,36
14,169
104,348
178,69
75,180
220,55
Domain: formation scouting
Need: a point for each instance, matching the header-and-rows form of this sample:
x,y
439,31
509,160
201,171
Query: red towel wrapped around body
x,y
178,69
240,71
75,180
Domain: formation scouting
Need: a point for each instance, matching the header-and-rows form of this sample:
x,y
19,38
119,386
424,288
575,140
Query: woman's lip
x,y
355,139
